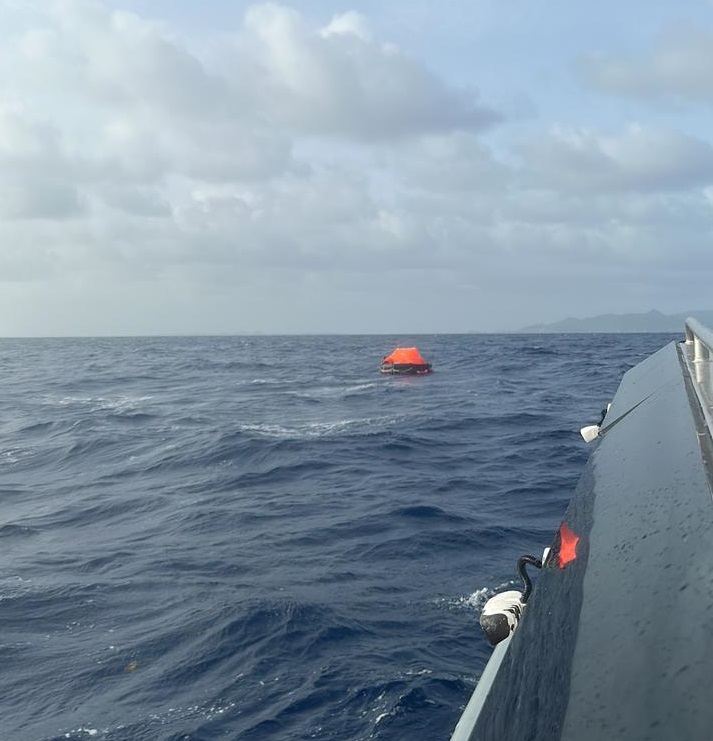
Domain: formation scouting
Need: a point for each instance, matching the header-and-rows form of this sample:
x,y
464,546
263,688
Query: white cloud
x,y
339,82
291,169
350,23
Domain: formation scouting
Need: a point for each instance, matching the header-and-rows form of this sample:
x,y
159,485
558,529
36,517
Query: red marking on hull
x,y
568,546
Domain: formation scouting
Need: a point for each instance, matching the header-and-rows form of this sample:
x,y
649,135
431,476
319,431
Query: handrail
x,y
698,354
701,337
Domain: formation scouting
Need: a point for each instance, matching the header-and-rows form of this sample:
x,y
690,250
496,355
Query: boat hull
x,y
617,639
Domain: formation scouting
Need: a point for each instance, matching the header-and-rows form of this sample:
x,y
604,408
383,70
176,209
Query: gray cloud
x,y
450,164
636,159
35,178
135,201
39,198
677,67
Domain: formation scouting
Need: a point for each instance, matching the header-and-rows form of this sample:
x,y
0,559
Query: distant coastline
x,y
651,321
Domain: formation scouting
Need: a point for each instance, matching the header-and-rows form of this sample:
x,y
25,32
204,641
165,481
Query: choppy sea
x,y
262,538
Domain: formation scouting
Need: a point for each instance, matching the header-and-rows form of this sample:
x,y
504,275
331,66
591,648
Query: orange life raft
x,y
406,360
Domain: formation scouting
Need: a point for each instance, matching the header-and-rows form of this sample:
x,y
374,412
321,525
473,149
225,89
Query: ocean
x,y
262,538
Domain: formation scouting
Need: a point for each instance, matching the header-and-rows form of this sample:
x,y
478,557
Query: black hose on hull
x,y
521,563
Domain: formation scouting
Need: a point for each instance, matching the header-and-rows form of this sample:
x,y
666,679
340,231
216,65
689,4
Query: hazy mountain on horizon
x,y
650,321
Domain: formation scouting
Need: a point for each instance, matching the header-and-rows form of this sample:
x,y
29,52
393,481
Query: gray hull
x,y
617,639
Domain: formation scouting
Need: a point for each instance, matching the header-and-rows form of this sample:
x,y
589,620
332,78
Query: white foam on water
x,y
310,430
14,455
91,732
100,403
474,601
418,672
335,392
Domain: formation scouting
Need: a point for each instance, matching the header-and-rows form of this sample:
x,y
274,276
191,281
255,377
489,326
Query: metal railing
x,y
698,353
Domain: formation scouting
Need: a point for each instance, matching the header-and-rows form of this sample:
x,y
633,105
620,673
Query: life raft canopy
x,y
405,360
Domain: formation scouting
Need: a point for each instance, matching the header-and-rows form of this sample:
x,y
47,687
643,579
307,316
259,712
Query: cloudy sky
x,y
176,167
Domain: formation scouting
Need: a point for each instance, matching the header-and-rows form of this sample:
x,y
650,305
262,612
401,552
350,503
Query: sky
x,y
227,167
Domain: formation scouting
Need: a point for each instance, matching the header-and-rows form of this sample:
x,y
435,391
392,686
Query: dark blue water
x,y
263,538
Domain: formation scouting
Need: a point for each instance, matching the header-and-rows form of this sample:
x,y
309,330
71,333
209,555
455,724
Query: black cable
x,y
521,563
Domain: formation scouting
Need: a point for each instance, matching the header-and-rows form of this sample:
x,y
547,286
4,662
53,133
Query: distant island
x,y
651,321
